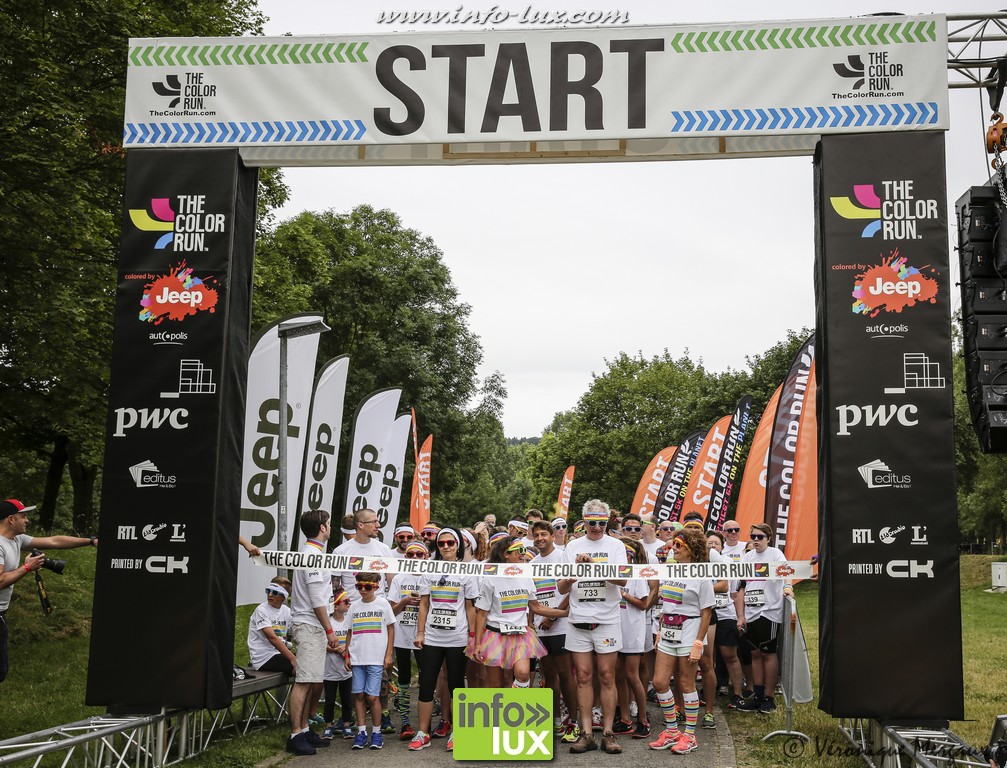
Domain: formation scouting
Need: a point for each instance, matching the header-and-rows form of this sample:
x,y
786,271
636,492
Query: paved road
x,y
716,750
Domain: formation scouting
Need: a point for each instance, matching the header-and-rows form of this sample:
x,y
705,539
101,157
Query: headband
x,y
447,532
348,532
580,527
340,597
469,539
404,529
629,550
497,536
595,514
648,522
515,546
417,547
558,522
693,524
430,528
519,524
282,590
681,541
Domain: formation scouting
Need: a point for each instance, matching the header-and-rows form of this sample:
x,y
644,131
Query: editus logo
x,y
503,724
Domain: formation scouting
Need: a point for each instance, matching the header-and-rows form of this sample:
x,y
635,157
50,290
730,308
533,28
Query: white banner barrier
x,y
302,561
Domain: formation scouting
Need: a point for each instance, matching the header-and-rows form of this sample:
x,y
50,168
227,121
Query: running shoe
x,y
734,702
420,741
298,745
377,741
442,730
360,741
560,728
634,710
451,742
709,721
621,727
331,731
407,732
314,739
348,732
642,730
597,722
386,723
666,739
685,744
749,705
572,733
610,744
585,743
768,706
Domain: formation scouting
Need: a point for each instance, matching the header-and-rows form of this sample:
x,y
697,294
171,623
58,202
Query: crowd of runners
x,y
604,647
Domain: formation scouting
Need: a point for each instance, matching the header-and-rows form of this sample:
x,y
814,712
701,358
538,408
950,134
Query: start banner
x,y
741,79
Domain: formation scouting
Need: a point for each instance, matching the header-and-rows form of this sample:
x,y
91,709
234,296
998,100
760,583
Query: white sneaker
x,y
597,721
633,709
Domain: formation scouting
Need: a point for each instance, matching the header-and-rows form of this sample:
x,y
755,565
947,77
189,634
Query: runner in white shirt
x,y
726,632
403,536
733,548
686,607
594,633
363,544
637,596
268,628
763,602
404,596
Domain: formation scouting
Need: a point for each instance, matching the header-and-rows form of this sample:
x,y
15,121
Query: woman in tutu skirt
x,y
504,638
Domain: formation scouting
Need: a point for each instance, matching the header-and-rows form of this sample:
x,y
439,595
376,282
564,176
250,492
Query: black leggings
x,y
404,664
277,663
344,688
433,657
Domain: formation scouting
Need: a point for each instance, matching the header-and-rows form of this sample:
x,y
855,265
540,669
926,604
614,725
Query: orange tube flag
x,y
565,489
419,504
802,536
752,497
650,482
700,488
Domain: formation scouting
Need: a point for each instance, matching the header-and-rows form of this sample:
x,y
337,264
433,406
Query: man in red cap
x,y
13,539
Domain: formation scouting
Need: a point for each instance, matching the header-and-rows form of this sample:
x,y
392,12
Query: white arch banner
x,y
504,89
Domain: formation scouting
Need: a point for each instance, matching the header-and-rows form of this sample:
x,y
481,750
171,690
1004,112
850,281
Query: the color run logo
x,y
175,296
186,230
896,215
891,286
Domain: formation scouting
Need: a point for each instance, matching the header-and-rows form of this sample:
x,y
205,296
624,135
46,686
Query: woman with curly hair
x,y
686,606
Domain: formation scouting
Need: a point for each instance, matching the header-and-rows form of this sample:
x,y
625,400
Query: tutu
x,y
501,650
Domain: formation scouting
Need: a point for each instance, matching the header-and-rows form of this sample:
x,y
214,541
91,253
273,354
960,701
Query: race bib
x,y
443,618
591,591
410,616
721,600
755,598
511,629
673,629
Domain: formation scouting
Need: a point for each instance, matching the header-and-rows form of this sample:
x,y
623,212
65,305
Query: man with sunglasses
x,y
363,544
594,631
733,547
267,631
404,535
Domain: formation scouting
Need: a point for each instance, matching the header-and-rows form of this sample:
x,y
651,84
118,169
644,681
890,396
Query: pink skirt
x,y
501,650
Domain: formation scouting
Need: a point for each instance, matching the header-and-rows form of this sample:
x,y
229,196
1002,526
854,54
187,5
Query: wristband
x,y
26,568
330,631
472,634
697,642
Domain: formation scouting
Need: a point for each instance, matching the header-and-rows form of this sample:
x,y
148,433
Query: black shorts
x,y
555,644
727,633
761,635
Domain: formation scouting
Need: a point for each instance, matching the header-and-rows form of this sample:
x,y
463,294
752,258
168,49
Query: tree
x,y
63,75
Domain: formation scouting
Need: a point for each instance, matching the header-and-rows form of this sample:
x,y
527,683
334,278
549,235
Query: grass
x,y
48,675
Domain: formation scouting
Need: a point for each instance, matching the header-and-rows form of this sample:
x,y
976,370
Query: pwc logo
x,y
176,296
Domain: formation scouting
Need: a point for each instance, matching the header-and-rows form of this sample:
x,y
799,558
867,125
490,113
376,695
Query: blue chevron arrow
x,y
315,130
933,113
886,113
155,132
211,131
850,116
835,115
677,117
787,119
689,121
911,113
875,114
302,132
361,128
899,113
349,129
256,131
774,118
861,114
715,120
763,119
190,131
129,133
177,135
749,120
267,131
701,124
246,131
725,118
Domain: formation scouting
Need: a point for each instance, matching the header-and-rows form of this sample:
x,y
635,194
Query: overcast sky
x,y
565,266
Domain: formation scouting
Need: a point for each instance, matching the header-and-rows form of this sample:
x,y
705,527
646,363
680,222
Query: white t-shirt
x,y
310,590
260,650
10,560
651,548
634,621
369,624
405,623
353,548
547,593
764,597
734,551
505,602
722,600
595,602
687,597
335,665
447,624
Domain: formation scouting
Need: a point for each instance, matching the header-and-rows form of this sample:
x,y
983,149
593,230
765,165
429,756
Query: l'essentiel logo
x,y
503,724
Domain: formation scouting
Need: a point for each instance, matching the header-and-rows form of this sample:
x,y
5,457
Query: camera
x,y
56,566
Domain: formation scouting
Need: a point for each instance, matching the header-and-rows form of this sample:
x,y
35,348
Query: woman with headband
x,y
686,606
446,620
559,527
404,597
504,641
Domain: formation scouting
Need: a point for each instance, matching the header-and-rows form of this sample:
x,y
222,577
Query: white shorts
x,y
690,633
605,638
311,645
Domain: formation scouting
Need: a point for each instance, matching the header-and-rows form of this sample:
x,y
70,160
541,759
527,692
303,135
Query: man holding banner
x,y
363,544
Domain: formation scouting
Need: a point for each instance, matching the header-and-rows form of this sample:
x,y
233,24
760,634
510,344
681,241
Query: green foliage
x,y
637,407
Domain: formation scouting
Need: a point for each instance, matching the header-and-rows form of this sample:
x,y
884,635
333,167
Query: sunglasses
x,y
273,592
340,602
414,554
405,537
732,530
519,550
757,536
666,529
596,523
676,545
366,586
559,527
632,528
447,543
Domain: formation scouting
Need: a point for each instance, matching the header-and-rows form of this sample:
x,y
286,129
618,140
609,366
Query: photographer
x,y
13,539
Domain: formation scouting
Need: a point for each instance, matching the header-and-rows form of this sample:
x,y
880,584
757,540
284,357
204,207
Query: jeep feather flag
x,y
259,492
751,507
391,478
651,480
724,478
369,477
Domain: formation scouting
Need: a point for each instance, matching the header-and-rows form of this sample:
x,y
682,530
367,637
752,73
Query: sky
x,y
565,266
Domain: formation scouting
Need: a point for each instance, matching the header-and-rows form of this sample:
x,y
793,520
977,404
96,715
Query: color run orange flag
x,y
752,498
419,504
565,489
802,541
650,483
700,489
